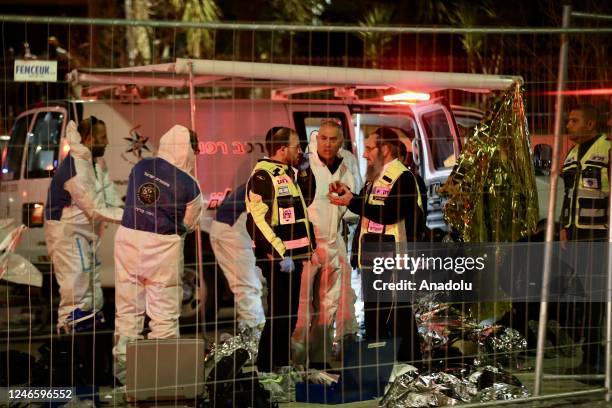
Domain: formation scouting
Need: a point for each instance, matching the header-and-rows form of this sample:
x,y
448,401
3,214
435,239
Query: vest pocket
x,y
592,177
593,211
569,177
375,246
382,239
294,237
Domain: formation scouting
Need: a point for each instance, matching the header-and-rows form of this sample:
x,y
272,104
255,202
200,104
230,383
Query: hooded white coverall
x,y
79,200
163,203
336,297
233,250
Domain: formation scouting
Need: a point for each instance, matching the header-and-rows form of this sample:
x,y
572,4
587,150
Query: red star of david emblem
x,y
137,142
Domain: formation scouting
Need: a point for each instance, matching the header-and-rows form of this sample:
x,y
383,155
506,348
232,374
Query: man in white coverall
x,y
233,250
333,298
163,203
80,198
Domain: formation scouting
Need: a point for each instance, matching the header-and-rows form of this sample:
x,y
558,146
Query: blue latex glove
x,y
287,265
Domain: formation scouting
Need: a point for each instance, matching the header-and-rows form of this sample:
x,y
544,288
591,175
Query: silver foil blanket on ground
x,y
437,389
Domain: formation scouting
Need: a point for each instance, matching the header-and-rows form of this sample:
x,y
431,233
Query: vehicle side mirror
x,y
33,215
542,158
416,155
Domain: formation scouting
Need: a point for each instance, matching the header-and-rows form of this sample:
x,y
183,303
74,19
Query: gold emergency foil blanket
x,y
491,192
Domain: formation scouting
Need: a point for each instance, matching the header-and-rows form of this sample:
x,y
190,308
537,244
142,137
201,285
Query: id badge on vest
x,y
380,193
375,228
286,215
590,183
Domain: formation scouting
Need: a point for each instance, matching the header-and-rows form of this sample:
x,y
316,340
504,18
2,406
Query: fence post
x,y
198,236
608,382
552,198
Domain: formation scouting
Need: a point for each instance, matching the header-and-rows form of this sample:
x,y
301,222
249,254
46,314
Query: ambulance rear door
x,y
440,146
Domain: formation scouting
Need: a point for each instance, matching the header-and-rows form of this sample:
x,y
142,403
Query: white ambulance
x,y
231,134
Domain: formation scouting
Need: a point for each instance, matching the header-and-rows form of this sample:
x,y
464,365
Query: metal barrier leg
x,y
550,224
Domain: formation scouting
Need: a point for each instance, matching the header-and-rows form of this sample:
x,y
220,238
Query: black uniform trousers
x,y
281,317
587,317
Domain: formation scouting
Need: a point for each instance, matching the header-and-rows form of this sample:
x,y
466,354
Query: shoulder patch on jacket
x,y
148,193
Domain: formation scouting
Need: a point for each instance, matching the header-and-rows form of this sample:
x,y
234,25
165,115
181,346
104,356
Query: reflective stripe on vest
x,y
586,195
377,195
289,217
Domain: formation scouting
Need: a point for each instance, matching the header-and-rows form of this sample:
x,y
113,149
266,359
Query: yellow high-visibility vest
x,y
288,229
587,190
377,195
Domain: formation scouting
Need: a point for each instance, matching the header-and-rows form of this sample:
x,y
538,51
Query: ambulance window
x,y
307,124
43,145
403,125
11,163
440,138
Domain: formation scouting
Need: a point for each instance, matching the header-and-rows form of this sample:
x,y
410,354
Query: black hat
x,y
388,135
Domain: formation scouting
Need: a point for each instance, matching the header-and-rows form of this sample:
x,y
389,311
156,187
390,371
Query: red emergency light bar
x,y
407,96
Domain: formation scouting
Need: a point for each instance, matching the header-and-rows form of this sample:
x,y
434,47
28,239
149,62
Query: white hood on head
x,y
175,148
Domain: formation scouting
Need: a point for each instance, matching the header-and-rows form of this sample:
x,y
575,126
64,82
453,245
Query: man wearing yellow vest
x,y
277,221
584,215
391,210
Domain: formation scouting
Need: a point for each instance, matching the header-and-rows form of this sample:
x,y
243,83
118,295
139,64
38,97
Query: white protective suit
x,y
79,200
336,297
233,250
149,264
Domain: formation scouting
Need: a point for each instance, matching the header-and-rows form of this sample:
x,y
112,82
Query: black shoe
x,y
224,373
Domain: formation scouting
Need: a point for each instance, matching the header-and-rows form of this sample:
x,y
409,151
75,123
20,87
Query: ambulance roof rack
x,y
283,80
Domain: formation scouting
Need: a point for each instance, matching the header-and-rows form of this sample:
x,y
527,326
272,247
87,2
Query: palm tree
x,y
298,11
199,41
144,44
376,44
138,38
466,15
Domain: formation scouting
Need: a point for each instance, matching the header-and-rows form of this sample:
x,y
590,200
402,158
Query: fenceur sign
x,y
35,71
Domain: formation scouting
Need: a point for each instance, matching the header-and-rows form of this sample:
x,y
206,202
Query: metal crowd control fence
x,y
100,69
